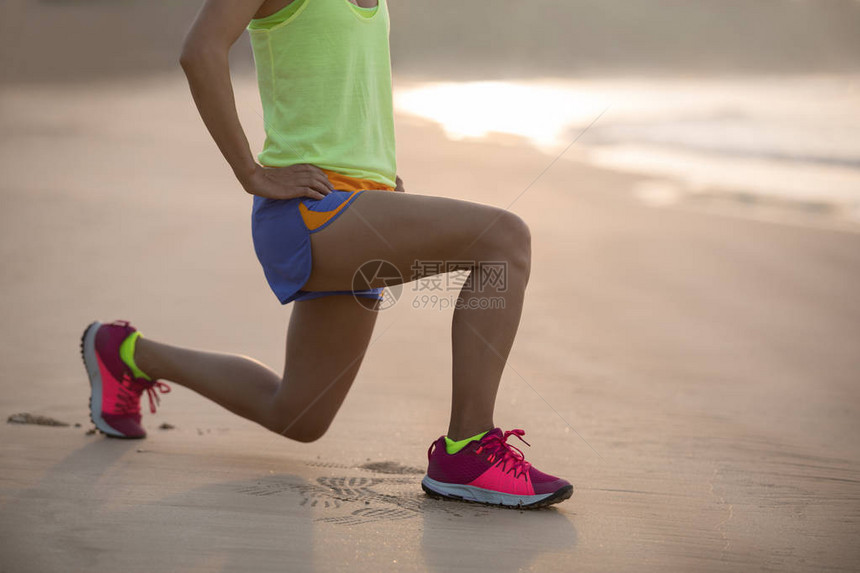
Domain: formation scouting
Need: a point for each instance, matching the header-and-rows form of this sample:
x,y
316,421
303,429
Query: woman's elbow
x,y
195,52
189,56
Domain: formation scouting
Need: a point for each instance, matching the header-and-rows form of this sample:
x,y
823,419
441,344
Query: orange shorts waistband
x,y
347,183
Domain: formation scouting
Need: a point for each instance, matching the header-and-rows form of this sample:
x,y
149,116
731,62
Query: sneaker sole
x,y
91,363
441,490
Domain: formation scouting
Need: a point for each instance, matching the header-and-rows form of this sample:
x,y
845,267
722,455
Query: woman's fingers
x,y
313,170
322,178
315,179
300,180
320,187
314,194
318,174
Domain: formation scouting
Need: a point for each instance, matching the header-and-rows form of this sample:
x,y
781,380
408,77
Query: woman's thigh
x,y
402,229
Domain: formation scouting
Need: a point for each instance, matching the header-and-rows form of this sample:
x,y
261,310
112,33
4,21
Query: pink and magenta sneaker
x,y
491,471
116,392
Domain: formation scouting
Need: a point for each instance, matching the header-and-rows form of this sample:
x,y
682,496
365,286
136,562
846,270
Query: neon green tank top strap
x,y
281,15
287,11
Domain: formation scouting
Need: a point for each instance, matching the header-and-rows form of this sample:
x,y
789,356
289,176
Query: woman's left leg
x,y
326,341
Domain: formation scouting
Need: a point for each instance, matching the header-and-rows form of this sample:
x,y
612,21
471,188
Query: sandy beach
x,y
692,371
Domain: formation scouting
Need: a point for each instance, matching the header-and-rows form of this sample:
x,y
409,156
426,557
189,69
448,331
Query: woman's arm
x,y
205,62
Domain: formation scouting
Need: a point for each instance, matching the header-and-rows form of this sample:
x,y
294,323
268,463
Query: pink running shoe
x,y
115,396
491,471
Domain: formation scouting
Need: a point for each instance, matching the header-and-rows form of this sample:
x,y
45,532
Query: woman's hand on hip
x,y
300,180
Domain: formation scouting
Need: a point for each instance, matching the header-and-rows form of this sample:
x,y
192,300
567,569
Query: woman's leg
x,y
403,229
326,341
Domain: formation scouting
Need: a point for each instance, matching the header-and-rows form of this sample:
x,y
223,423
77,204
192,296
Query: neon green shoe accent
x,y
126,353
453,447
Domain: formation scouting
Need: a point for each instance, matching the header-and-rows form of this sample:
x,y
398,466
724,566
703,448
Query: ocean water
x,y
794,139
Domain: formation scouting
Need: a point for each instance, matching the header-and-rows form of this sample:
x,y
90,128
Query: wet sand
x,y
693,373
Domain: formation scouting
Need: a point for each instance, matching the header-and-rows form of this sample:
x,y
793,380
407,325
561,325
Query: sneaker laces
x,y
131,389
500,452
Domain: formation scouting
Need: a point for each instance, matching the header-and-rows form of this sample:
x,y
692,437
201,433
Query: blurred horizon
x,y
758,101
480,40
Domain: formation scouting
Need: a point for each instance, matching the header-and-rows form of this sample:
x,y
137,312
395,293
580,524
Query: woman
x,y
327,199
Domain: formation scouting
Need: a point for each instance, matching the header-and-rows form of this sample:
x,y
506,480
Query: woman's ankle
x,y
467,430
144,358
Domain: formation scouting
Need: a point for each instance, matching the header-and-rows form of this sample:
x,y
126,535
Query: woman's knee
x,y
298,429
306,435
509,239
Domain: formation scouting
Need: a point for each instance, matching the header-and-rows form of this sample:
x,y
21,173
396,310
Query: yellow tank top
x,y
324,73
